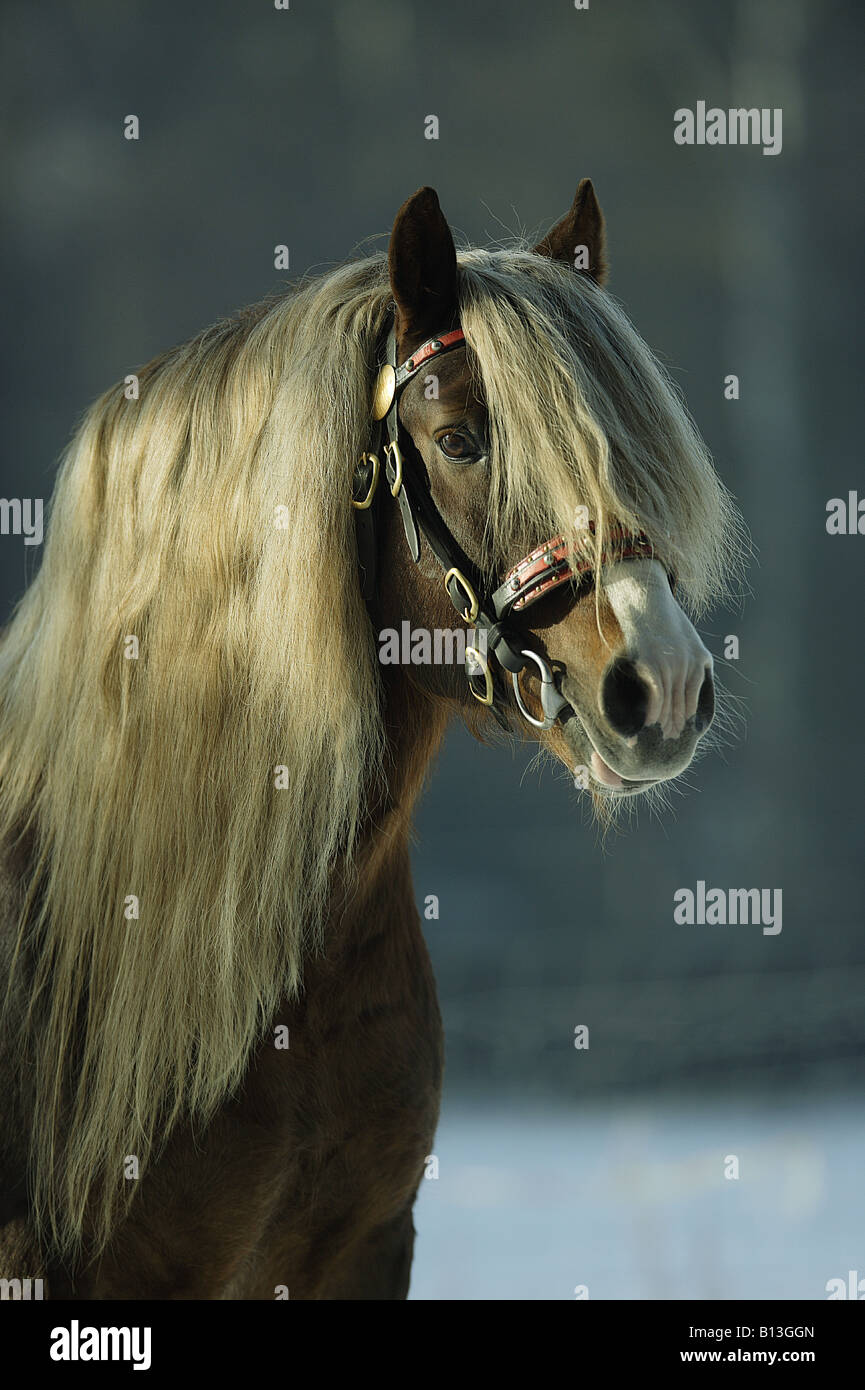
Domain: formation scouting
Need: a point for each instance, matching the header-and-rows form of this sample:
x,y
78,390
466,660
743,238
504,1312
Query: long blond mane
x,y
208,520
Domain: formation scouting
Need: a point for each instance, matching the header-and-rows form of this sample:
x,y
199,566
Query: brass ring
x,y
376,466
474,607
394,449
481,661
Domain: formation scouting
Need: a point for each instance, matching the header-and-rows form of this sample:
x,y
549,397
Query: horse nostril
x,y
624,698
705,705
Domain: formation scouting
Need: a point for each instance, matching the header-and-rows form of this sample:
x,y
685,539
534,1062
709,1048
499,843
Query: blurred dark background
x,y
306,127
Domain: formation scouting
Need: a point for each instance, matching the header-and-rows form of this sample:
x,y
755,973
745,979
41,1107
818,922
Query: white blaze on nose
x,y
663,645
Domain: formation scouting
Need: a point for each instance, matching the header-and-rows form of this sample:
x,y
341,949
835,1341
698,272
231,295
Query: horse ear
x,y
422,261
579,235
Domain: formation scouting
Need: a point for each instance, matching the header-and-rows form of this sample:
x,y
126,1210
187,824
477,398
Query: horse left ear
x,y
422,262
578,238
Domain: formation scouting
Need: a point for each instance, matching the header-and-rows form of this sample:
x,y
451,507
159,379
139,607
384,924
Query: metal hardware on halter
x,y
385,386
376,467
391,379
476,659
392,450
552,700
460,580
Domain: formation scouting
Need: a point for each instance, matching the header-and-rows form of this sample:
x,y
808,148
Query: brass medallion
x,y
382,396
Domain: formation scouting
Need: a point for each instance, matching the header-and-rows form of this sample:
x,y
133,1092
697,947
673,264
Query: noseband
x,y
489,611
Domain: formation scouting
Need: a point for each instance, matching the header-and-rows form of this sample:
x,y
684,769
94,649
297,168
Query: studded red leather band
x,y
553,564
431,348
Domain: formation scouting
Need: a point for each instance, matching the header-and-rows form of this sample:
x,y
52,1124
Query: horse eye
x,y
455,445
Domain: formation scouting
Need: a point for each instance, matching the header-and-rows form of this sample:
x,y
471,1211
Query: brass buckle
x,y
474,607
477,659
394,449
376,468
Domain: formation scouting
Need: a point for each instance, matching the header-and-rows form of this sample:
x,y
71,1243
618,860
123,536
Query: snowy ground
x,y
632,1200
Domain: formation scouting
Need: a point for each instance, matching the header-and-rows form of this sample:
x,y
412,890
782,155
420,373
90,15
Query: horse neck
x,y
415,724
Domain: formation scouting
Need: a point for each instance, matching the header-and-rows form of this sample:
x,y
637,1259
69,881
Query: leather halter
x,y
546,568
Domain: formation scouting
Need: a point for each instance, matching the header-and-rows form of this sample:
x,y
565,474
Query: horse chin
x,y
582,757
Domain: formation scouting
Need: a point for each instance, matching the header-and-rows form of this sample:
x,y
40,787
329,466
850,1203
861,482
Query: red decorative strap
x,y
431,348
553,564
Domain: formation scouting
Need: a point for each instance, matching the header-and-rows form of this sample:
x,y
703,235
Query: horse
x,y
221,1050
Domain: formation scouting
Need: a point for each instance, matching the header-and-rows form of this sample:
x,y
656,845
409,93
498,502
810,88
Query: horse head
x,y
585,644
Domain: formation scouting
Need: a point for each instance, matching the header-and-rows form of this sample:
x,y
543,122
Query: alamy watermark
x,y
846,516
722,906
77,1343
21,1290
851,1287
738,126
22,516
421,646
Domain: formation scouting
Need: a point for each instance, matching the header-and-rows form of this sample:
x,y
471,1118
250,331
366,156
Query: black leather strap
x,y
419,512
421,516
366,527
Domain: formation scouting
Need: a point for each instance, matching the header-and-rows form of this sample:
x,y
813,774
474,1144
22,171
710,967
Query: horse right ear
x,y
578,238
422,262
